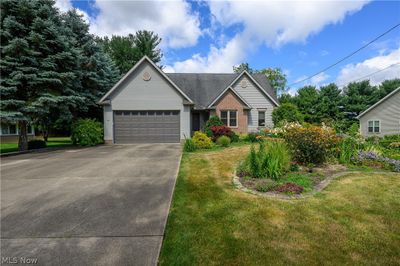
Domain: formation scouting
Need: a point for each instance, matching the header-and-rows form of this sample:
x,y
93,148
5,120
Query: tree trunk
x,y
23,136
45,135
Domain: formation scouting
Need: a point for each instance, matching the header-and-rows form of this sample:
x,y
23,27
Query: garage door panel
x,y
147,126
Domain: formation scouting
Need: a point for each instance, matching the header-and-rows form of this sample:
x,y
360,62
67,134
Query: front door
x,y
195,122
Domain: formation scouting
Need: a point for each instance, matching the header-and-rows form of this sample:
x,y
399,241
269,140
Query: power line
x,y
371,74
346,57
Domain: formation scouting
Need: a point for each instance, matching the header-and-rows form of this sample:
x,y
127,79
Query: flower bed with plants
x,y
297,159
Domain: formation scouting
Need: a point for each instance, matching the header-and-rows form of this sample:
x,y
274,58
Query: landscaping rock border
x,y
317,188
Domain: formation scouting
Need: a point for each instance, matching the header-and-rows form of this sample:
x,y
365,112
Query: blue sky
x,y
300,37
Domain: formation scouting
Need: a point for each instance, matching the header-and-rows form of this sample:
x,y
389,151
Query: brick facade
x,y
230,101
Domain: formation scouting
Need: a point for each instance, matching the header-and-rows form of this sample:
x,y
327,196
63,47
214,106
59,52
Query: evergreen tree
x,y
126,51
307,100
35,62
329,103
243,66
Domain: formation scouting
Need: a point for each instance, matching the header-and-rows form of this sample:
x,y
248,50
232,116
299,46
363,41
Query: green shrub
x,y
87,132
36,144
294,167
349,148
267,185
301,180
254,163
387,140
201,141
234,137
251,137
271,160
276,160
189,145
286,112
311,144
212,121
224,141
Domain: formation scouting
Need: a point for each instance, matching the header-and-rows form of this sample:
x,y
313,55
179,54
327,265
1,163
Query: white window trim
x,y
228,112
373,126
16,131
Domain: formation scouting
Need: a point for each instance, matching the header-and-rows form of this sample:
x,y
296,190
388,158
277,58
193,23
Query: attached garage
x,y
147,126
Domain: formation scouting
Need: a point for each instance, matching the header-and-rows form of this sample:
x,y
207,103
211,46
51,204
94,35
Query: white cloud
x,y
272,23
64,5
217,60
353,72
319,78
172,20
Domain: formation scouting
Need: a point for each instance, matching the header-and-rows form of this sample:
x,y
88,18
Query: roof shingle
x,y
203,88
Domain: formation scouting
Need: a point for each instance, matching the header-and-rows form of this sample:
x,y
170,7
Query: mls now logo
x,y
21,260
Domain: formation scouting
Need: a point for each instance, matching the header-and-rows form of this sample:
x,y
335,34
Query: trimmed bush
x,y
36,144
311,144
189,146
212,121
234,137
87,132
224,141
218,131
201,140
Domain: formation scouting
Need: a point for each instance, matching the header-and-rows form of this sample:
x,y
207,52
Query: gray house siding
x,y
134,93
257,100
388,113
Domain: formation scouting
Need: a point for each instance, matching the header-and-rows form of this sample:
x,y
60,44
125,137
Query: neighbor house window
x,y
12,129
261,118
229,118
374,126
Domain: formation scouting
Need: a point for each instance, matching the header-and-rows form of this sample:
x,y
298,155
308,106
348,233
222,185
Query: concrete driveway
x,y
106,205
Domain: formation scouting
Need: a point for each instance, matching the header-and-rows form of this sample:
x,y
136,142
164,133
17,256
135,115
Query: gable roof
x,y
224,92
379,102
103,100
204,88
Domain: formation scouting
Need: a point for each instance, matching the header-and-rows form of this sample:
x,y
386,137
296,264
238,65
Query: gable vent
x,y
243,83
146,76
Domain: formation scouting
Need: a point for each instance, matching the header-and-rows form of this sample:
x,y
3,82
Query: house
x,y
9,132
382,118
148,105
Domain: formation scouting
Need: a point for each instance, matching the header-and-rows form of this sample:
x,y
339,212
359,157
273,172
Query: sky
x,y
300,37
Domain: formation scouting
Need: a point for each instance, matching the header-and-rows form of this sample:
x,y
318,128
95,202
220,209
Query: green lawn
x,y
354,221
52,142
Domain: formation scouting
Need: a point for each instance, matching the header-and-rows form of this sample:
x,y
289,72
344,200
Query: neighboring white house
x,y
9,132
148,105
382,118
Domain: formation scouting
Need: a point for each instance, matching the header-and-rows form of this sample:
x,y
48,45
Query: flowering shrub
x,y
218,131
201,140
311,144
372,156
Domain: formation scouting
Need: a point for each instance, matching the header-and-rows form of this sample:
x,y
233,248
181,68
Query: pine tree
x,y
34,56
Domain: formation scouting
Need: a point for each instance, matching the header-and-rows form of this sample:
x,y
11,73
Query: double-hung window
x,y
374,126
229,118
